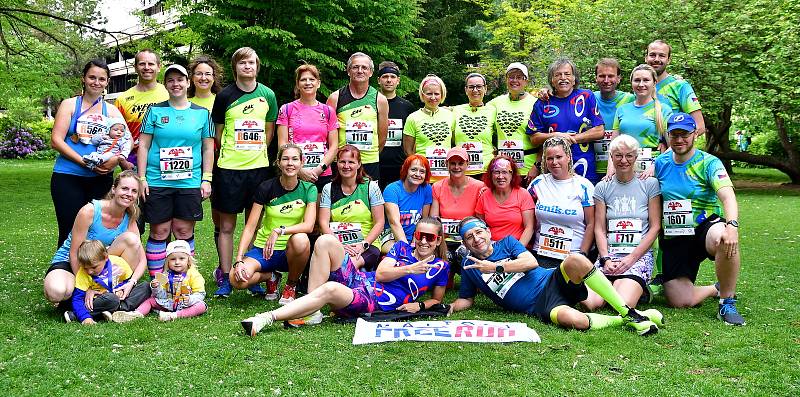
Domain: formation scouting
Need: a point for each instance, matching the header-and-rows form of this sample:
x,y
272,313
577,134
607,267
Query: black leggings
x,y
70,193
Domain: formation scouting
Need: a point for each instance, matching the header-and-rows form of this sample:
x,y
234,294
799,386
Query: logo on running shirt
x,y
175,152
360,124
550,111
355,112
624,224
344,226
555,231
347,208
130,98
164,119
286,208
509,144
248,109
439,151
673,205
249,123
310,146
468,146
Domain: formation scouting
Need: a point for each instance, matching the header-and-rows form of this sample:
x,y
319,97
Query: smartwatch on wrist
x,y
499,269
323,166
604,259
733,223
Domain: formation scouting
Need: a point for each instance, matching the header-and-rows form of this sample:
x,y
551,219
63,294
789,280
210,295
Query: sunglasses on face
x,y
429,237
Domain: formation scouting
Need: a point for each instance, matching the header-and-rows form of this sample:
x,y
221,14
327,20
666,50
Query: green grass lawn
x,y
694,354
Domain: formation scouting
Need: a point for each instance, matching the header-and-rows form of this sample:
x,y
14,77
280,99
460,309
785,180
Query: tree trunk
x,y
717,135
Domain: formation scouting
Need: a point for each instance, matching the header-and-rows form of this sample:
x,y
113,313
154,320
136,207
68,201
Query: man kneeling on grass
x,y
510,276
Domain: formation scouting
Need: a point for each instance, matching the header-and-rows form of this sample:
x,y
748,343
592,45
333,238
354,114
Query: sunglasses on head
x,y
429,237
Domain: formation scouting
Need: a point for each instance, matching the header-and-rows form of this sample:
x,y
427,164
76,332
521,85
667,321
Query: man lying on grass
x,y
510,276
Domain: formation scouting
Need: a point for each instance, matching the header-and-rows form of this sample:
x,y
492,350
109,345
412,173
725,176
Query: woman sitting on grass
x,y
402,276
113,222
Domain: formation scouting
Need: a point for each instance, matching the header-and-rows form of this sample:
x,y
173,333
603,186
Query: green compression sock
x,y
598,282
600,321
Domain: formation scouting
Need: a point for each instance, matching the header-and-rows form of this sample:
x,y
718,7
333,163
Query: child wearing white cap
x,y
179,292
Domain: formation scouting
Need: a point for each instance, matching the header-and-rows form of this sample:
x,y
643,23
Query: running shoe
x,y
289,293
124,317
312,319
107,316
224,290
167,316
69,316
272,286
656,285
256,290
654,316
728,313
639,323
256,323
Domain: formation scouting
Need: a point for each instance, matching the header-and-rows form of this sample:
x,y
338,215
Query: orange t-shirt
x,y
505,219
452,209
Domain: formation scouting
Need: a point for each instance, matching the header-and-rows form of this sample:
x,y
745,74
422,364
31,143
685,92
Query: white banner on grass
x,y
443,331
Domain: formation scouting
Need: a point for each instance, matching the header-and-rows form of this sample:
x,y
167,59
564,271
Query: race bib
x,y
512,148
555,241
624,235
678,218
88,126
437,156
176,163
395,135
249,134
475,154
501,283
450,227
644,160
601,147
359,133
313,152
347,233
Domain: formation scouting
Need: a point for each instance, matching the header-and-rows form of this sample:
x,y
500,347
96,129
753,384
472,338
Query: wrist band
x,y
143,179
421,306
208,176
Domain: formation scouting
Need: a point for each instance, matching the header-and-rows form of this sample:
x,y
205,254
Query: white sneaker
x,y
311,319
124,317
167,316
108,316
256,323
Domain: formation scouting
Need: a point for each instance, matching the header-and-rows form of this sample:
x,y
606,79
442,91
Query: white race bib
x,y
512,148
554,241
450,227
249,134
348,233
601,147
501,283
395,135
176,163
624,235
475,154
359,133
313,152
678,218
88,126
437,156
645,159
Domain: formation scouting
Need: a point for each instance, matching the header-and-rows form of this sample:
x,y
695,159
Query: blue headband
x,y
469,225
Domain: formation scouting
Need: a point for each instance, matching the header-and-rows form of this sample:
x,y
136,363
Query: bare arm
x,y
697,115
249,230
283,134
528,224
524,262
325,220
588,235
600,232
79,230
378,223
269,131
59,134
409,144
383,120
593,134
393,215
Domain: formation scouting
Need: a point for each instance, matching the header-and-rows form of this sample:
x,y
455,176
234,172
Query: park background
x,y
741,58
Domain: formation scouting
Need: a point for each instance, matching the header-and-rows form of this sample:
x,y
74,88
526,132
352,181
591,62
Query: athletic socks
x,y
155,251
190,241
598,282
600,321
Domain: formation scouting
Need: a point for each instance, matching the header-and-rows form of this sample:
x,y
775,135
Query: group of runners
x,y
539,201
